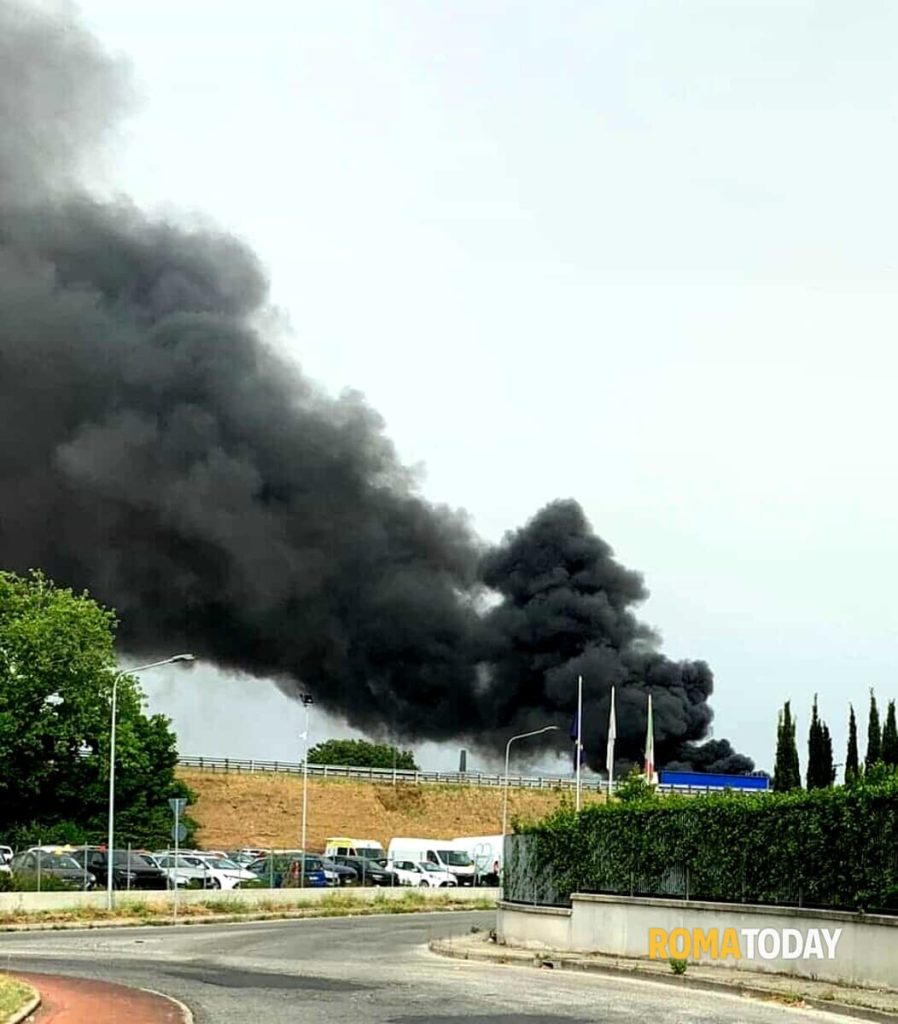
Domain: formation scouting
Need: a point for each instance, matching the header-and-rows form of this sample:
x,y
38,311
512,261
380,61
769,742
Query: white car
x,y
5,854
422,874
207,872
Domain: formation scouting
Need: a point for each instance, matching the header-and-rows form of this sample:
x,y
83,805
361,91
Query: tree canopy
x,y
786,772
889,750
852,767
362,754
57,667
820,771
874,734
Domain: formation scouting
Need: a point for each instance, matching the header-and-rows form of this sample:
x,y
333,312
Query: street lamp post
x,y
110,839
523,736
307,702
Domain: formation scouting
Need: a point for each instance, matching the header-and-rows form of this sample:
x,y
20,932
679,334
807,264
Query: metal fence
x,y
331,771
343,771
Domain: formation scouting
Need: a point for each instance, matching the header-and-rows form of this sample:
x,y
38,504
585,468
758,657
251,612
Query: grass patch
x,y
231,908
14,995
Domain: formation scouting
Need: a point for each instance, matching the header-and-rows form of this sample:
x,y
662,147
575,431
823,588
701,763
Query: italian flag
x,y
650,746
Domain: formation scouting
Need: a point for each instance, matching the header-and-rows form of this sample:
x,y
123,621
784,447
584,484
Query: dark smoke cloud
x,y
567,611
160,452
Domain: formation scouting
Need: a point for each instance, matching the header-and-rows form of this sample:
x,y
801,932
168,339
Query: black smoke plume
x,y
161,452
567,611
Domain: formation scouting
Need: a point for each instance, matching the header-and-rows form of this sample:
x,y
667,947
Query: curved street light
x,y
307,702
111,829
523,736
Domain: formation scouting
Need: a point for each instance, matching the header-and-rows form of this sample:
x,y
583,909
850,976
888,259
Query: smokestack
x,y
160,452
463,761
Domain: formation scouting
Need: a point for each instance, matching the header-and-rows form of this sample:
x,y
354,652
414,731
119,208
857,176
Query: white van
x,y
445,853
487,854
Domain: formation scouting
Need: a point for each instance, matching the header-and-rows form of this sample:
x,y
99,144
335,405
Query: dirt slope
x,y
265,810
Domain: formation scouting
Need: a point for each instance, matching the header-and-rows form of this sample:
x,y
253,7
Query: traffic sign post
x,y
178,832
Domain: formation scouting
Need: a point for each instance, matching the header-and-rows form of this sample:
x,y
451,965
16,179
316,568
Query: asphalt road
x,y
372,970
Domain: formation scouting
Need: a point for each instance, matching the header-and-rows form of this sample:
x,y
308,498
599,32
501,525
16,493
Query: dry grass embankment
x,y
237,809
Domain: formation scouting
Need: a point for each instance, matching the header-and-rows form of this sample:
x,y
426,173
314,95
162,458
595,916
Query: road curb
x,y
25,1012
510,957
186,1012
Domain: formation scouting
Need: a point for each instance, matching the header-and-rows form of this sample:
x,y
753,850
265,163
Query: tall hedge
x,y
825,848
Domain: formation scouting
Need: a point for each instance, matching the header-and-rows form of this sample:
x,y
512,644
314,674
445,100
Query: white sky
x,y
638,253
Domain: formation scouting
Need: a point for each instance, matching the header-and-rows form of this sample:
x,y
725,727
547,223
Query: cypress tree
x,y
874,734
851,758
820,752
815,750
827,765
786,773
890,737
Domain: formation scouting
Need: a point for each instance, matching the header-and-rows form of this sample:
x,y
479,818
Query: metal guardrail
x,y
391,775
331,771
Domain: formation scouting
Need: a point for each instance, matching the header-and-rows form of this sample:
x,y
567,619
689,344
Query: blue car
x,y
284,869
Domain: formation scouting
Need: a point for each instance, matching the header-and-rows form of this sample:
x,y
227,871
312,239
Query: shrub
x,y
828,848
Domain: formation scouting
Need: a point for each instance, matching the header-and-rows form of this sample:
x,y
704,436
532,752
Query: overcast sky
x,y
637,253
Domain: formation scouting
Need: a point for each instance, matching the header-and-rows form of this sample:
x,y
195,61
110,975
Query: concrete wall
x,y
29,902
866,952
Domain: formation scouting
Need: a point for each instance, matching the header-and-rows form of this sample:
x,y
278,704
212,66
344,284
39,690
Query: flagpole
x,y
609,757
579,733
650,745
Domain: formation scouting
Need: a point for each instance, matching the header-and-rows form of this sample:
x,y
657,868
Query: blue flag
x,y
576,735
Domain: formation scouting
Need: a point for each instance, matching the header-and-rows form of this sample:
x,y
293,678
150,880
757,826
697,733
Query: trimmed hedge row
x,y
825,848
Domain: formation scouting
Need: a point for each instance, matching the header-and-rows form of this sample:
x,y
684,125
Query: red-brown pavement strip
x,y
78,1001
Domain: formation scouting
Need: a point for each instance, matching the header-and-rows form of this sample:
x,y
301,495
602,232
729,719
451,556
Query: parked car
x,y
365,856
129,871
245,856
343,875
369,872
195,870
35,865
444,853
225,867
286,868
423,874
5,854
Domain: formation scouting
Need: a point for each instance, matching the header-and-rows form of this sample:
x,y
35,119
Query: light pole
x,y
523,736
110,839
307,702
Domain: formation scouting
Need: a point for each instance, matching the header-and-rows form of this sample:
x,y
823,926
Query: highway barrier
x,y
239,899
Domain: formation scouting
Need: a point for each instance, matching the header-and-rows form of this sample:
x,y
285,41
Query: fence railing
x,y
343,771
331,771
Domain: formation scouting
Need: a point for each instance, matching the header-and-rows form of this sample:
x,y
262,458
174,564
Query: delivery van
x,y
343,846
443,852
487,854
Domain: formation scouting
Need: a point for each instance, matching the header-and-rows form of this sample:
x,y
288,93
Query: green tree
x,y
874,734
57,666
820,772
890,737
635,787
852,768
362,754
829,765
786,772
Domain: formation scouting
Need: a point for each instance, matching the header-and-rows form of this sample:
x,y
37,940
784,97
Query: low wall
x,y
30,902
781,940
